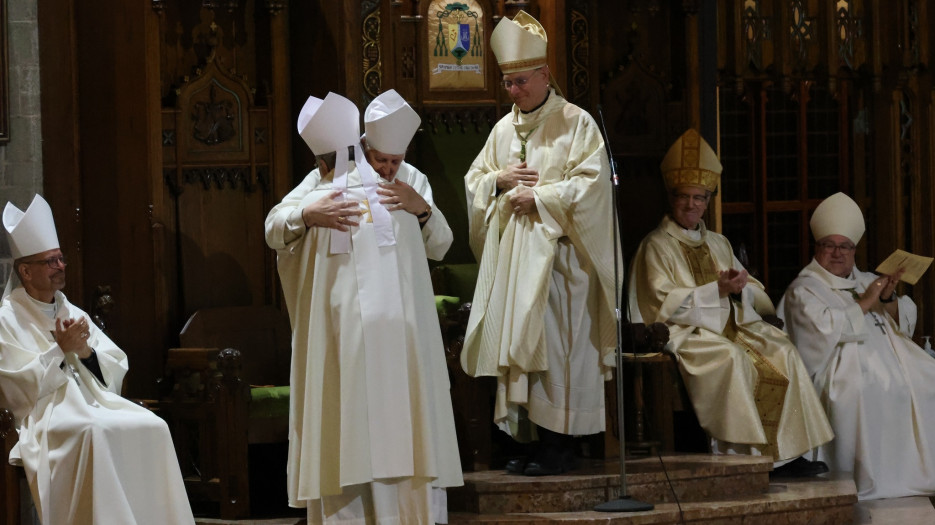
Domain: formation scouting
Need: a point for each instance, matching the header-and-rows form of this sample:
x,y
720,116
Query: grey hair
x,y
331,158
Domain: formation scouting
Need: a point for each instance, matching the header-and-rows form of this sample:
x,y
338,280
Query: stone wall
x,y
21,157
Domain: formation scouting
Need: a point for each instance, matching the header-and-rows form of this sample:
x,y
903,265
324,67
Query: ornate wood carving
x,y
102,306
756,31
217,119
801,32
849,30
408,62
214,120
912,31
461,119
219,177
579,35
373,64
367,6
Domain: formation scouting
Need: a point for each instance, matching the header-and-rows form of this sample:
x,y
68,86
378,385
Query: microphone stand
x,y
624,503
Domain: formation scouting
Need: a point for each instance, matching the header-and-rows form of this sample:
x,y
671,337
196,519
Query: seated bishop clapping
x,y
90,456
745,379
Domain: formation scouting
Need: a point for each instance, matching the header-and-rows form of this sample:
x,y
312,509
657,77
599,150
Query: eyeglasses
x,y
696,199
51,262
830,247
518,82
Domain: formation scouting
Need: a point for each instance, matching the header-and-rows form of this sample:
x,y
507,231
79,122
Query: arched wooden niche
x,y
212,122
216,165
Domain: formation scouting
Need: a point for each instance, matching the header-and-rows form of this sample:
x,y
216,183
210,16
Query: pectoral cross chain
x,y
522,143
878,322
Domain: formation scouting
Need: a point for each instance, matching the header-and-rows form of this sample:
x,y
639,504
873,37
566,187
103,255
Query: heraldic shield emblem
x,y
459,40
456,45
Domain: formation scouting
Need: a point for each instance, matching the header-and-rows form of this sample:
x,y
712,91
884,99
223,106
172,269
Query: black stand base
x,y
624,504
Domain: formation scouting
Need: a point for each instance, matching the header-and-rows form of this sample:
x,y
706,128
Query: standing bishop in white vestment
x,y
540,217
91,456
372,437
854,335
745,379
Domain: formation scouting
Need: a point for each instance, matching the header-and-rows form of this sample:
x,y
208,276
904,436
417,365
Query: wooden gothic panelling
x,y
217,169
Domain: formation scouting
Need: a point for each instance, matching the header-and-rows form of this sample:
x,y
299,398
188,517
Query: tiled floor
x,y
897,511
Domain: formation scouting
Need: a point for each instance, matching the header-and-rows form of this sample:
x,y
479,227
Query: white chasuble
x,y
91,456
369,385
745,379
874,381
543,312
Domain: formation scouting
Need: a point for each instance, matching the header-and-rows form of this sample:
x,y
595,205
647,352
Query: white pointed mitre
x,y
838,215
519,44
390,123
691,162
32,231
330,124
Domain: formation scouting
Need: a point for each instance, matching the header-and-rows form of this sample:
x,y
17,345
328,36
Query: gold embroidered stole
x,y
769,393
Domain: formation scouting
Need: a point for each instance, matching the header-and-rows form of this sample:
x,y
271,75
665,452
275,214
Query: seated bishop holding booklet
x,y
854,334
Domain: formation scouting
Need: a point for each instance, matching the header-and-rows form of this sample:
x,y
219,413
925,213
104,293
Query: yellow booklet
x,y
915,265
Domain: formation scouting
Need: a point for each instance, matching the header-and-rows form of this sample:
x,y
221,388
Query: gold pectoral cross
x,y
522,143
368,217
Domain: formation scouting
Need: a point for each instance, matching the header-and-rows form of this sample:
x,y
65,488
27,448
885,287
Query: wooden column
x,y
60,135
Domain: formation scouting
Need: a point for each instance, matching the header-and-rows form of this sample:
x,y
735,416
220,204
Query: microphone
x,y
610,154
623,503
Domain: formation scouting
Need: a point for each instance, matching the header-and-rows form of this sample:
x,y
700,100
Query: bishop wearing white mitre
x,y
90,455
855,337
372,436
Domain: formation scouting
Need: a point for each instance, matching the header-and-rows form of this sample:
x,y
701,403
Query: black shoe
x,y
516,466
555,455
799,468
534,468
551,461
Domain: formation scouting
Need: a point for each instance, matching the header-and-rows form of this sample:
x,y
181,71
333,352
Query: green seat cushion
x,y
445,302
269,401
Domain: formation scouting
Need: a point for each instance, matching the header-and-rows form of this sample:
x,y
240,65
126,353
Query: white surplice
x,y
370,394
91,456
543,313
876,384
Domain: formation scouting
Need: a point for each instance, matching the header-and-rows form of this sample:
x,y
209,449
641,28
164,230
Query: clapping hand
x,y
72,336
731,281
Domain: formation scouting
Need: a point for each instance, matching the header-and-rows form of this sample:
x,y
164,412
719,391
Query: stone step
x,y
826,500
688,477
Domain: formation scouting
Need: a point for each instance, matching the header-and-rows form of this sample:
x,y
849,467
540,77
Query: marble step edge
x,y
678,468
827,501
